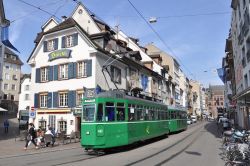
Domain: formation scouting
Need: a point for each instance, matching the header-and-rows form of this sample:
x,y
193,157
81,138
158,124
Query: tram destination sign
x,y
64,53
89,100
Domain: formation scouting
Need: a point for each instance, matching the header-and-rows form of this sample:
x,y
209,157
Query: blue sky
x,y
197,41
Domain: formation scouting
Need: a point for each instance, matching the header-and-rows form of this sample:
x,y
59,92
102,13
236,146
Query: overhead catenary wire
x,y
39,8
34,11
196,15
59,7
160,38
176,16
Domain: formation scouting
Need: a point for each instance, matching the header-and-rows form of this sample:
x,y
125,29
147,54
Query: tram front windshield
x,y
88,113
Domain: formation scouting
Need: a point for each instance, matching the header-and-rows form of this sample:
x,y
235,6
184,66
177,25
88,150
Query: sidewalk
x,y
12,147
10,144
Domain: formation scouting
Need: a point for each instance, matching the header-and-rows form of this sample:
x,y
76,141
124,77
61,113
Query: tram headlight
x,y
87,132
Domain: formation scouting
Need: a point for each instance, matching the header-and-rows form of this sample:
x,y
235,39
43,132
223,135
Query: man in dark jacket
x,y
31,136
6,126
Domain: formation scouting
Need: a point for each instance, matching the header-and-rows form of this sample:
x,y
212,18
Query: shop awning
x,y
7,43
3,110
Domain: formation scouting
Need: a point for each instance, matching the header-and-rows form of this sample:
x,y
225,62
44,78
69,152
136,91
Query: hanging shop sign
x,y
64,53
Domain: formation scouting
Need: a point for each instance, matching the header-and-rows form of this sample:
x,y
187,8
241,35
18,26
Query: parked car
x,y
189,121
194,118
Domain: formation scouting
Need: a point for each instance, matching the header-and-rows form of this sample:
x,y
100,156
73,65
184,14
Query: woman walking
x,y
31,136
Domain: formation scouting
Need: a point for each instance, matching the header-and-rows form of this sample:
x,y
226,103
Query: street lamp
x,y
152,20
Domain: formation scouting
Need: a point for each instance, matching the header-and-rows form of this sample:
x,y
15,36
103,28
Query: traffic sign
x,y
32,113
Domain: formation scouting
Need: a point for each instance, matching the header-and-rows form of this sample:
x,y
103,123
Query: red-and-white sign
x,y
32,113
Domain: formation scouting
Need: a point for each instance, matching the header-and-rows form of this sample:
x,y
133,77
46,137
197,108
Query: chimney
x,y
64,18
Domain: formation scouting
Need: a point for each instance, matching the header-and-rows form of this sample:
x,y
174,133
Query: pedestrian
x,y
51,132
6,126
31,136
40,137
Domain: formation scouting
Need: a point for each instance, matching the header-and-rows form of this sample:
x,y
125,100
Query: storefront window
x,y
62,126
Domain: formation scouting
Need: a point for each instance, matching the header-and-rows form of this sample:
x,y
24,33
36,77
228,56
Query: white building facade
x,y
240,37
64,63
72,59
25,94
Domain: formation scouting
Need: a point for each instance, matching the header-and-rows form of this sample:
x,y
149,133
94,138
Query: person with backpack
x,y
31,136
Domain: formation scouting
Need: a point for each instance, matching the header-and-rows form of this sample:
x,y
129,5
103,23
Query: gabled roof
x,y
10,59
68,23
24,76
48,22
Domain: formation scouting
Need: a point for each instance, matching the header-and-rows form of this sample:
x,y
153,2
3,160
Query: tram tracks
x,y
168,148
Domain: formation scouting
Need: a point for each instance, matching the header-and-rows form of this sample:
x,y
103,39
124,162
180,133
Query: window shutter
x,y
71,70
72,98
55,99
36,100
89,68
50,73
49,102
75,37
56,43
45,46
63,42
55,72
74,70
38,78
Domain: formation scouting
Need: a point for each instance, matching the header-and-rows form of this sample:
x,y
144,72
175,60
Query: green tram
x,y
112,119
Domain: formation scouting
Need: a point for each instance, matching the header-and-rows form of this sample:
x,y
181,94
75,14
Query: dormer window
x,y
70,40
50,45
116,74
13,57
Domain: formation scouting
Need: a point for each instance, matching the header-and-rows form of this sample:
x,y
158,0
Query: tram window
x,y
88,112
172,114
131,112
120,104
185,115
146,113
178,115
120,112
159,115
166,112
155,114
139,115
152,114
99,113
164,115
110,111
149,114
143,116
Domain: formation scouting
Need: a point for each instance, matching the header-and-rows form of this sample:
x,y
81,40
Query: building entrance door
x,y
78,123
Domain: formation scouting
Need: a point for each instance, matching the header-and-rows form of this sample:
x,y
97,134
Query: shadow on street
x,y
213,129
13,130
